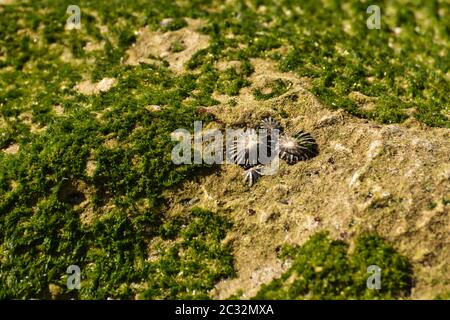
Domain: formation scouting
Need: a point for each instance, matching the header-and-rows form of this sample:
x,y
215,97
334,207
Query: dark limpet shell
x,y
252,175
301,146
244,151
270,124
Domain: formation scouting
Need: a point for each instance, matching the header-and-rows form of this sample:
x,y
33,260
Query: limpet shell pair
x,y
292,149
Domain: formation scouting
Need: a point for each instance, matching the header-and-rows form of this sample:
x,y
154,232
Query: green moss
x,y
177,46
191,267
232,103
41,231
323,269
378,63
174,24
272,90
186,269
444,296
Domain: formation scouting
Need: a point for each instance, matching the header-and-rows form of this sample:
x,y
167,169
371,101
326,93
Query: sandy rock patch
x,y
161,45
393,180
12,149
87,87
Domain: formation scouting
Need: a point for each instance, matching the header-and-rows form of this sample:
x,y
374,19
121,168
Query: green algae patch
x,y
272,90
323,269
82,176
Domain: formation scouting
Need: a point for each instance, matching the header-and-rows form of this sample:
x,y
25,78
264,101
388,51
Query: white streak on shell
x,y
301,146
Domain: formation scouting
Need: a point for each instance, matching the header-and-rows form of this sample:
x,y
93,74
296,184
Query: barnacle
x,y
301,146
270,124
273,129
244,151
247,150
252,175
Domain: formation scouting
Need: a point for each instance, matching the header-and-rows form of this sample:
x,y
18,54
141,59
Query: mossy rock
x,y
323,268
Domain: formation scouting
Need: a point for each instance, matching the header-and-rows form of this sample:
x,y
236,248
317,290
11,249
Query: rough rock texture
x,y
88,88
390,179
12,149
154,44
